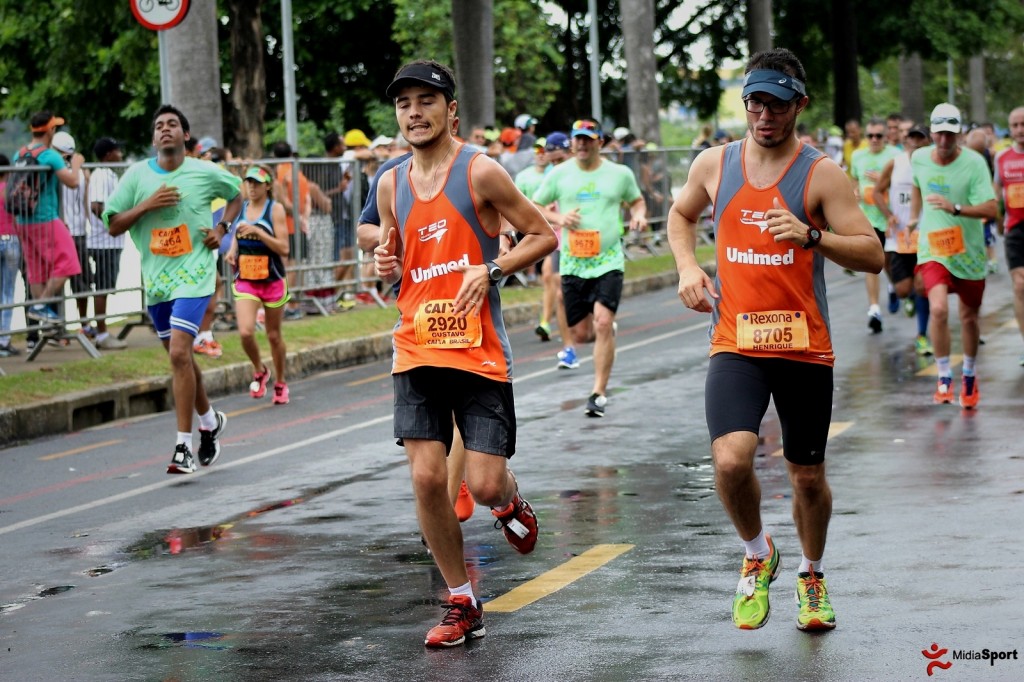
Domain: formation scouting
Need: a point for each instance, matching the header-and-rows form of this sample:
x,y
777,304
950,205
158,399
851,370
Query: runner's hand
x,y
385,262
475,286
784,226
571,220
693,282
211,239
163,197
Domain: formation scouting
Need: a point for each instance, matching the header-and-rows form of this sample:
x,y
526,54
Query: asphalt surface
x,y
297,555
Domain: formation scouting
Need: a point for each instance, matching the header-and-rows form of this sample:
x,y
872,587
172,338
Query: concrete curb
x,y
84,409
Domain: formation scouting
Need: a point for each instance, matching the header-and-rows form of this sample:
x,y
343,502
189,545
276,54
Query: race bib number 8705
x,y
772,331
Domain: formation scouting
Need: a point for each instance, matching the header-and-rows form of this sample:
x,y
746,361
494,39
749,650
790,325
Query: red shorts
x,y
49,251
970,291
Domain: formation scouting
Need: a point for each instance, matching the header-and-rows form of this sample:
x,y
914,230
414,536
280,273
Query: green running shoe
x,y
923,346
750,606
815,608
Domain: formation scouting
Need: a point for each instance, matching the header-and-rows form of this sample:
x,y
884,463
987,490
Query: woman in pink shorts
x,y
257,255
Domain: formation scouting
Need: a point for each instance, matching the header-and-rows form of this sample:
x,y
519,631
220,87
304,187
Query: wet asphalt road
x,y
297,555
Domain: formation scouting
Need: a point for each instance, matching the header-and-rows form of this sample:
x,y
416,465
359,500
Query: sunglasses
x,y
585,125
874,136
950,121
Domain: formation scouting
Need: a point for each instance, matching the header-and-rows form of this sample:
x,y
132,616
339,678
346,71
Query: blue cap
x,y
777,83
557,141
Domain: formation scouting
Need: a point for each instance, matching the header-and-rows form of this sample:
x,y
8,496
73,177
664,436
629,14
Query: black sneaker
x,y
182,461
595,405
209,443
8,351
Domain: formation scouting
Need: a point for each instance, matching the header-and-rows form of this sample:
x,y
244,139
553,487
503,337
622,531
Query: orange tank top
x,y
438,236
772,294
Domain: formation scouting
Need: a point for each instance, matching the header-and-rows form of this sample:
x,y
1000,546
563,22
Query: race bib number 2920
x,y
438,326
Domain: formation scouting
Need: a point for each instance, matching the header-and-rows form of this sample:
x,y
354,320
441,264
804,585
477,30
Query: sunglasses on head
x,y
950,121
585,125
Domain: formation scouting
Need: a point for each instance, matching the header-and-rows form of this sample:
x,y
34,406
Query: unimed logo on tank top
x,y
752,256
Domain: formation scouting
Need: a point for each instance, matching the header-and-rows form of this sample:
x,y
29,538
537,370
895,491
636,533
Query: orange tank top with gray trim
x,y
438,236
772,299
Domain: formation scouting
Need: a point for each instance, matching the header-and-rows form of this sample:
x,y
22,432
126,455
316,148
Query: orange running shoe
x,y
210,349
464,504
943,391
462,620
519,524
970,394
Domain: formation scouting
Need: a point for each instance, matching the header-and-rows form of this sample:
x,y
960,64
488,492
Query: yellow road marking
x,y
247,410
555,579
834,429
932,370
84,448
369,380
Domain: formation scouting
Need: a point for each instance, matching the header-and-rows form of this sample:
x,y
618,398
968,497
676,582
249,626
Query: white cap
x,y
524,121
381,141
63,143
946,119
620,133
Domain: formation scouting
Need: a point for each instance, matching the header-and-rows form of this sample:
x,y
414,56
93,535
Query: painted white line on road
x,y
173,480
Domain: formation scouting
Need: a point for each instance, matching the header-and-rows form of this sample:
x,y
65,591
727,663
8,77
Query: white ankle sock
x,y
208,421
758,547
185,438
805,565
464,591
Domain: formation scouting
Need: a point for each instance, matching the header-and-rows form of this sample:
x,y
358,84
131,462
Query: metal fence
x,y
327,270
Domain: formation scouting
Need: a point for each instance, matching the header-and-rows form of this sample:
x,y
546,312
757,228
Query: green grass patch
x,y
140,363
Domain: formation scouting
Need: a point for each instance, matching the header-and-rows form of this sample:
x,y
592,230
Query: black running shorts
x,y
901,266
737,391
484,409
581,293
1013,242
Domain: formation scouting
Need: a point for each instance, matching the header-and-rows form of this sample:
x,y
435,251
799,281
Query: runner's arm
x,y
681,231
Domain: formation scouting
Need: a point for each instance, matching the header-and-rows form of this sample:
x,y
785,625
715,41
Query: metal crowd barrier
x,y
326,266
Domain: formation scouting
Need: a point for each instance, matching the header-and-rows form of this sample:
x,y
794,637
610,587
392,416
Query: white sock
x,y
758,547
185,438
968,367
208,421
943,368
873,309
806,564
465,591
101,336
203,336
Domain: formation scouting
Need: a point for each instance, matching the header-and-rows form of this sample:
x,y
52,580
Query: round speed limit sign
x,y
160,15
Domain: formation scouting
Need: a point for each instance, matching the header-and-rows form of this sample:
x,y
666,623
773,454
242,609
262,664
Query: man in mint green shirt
x,y
164,204
951,197
591,191
866,166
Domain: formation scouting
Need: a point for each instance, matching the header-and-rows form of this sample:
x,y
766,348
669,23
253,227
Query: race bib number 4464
x,y
438,326
772,331
170,241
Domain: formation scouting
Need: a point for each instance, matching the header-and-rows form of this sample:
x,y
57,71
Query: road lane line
x,y
174,480
834,429
369,380
249,410
75,451
555,579
932,370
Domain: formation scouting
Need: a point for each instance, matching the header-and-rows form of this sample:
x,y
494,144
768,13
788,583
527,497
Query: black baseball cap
x,y
421,74
919,130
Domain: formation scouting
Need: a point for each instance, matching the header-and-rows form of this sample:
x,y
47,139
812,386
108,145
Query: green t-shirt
x,y
966,181
47,208
599,195
170,269
863,162
529,179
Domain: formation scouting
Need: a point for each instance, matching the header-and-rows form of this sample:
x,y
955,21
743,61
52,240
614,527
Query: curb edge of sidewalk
x,y
93,407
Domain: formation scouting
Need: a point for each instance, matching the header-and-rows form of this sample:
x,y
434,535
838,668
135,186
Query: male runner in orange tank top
x,y
780,209
440,220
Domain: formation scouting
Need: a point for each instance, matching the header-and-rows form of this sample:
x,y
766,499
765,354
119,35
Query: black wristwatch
x,y
957,208
494,273
813,237
226,224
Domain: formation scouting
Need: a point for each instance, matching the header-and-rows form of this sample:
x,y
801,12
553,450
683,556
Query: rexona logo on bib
x,y
438,269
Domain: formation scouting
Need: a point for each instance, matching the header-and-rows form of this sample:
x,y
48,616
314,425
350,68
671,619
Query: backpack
x,y
24,186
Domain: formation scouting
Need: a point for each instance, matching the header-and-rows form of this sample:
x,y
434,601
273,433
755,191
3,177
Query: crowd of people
x,y
448,219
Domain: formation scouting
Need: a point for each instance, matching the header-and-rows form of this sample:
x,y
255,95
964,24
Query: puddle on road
x,y
47,592
213,641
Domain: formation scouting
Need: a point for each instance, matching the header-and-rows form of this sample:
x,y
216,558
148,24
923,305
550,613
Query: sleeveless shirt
x,y
438,236
257,249
763,284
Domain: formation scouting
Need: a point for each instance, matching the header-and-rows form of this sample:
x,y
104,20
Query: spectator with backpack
x,y
31,196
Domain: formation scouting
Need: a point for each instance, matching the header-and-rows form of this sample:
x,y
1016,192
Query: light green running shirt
x,y
175,264
599,195
863,162
957,242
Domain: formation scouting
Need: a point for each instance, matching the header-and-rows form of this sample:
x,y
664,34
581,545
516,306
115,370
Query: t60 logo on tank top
x,y
756,218
433,231
438,269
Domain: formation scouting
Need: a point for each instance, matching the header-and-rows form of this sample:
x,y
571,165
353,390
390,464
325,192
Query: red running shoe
x,y
519,524
462,620
258,387
464,504
970,394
